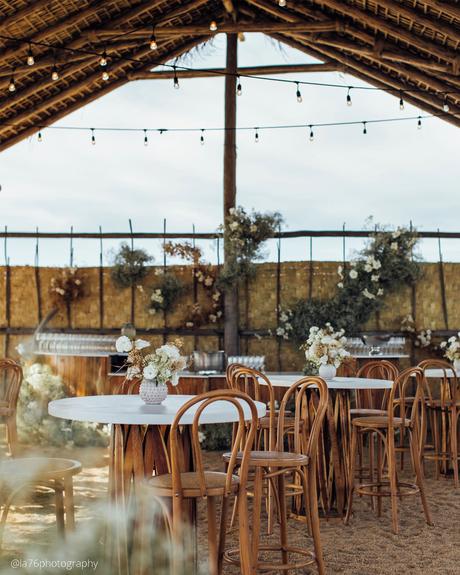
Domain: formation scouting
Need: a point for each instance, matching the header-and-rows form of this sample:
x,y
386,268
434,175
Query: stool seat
x,y
36,469
272,459
379,421
366,412
190,481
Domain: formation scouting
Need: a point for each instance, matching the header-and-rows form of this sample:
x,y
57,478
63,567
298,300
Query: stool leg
x,y
354,442
283,519
379,474
314,521
212,536
414,443
257,509
393,480
59,502
69,504
453,443
222,533
12,435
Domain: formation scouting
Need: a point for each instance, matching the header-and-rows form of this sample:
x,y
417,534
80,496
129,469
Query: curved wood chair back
x,y
306,438
402,389
376,369
449,383
12,372
249,381
245,435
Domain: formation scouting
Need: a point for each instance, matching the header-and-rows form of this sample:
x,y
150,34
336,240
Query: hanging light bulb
x,y
213,26
103,59
176,79
298,94
401,102
256,136
146,140
445,105
282,3
30,57
93,137
12,85
39,137
419,123
364,128
202,138
153,40
239,89
312,135
349,102
105,75
54,74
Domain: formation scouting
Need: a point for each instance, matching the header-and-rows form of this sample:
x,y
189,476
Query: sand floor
x,y
365,547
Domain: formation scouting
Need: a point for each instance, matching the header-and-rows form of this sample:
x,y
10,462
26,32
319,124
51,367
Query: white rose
x,y
368,268
340,285
150,371
380,291
141,344
394,246
170,350
353,274
377,265
374,278
123,344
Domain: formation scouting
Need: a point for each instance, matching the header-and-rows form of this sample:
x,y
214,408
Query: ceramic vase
x,y
327,371
153,393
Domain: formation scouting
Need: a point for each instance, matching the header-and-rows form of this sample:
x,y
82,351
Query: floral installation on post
x,y
129,266
385,265
451,349
35,426
164,296
67,287
162,366
422,339
244,235
326,346
211,311
284,328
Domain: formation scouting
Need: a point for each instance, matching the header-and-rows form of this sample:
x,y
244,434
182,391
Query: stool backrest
x,y
399,404
310,410
449,392
245,433
11,373
375,369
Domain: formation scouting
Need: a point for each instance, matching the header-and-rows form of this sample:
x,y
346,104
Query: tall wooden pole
x,y
231,340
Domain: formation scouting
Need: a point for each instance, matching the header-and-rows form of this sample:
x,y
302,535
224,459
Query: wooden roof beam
x,y
443,7
23,13
245,71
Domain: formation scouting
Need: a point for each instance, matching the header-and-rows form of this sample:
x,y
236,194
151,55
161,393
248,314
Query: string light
x,y
256,135
445,105
282,3
12,84
103,59
312,135
202,137
419,123
213,26
93,137
153,40
298,94
176,79
105,75
30,56
349,102
54,73
39,137
401,102
146,140
239,89
364,128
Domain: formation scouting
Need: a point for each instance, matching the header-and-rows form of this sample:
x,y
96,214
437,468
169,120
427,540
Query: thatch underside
x,y
394,45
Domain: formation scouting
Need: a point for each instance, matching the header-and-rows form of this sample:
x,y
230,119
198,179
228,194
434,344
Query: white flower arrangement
x,y
423,338
162,366
452,347
326,346
284,329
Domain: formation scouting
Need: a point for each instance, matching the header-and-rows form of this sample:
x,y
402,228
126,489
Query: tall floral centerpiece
x,y
452,350
156,369
326,349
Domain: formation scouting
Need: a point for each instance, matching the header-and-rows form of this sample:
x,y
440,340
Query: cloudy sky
x,y
396,172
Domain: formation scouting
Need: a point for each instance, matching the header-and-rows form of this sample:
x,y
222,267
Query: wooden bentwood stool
x,y
12,372
386,428
208,485
273,466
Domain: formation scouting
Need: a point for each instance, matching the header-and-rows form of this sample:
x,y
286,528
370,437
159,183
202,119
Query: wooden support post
x,y
231,342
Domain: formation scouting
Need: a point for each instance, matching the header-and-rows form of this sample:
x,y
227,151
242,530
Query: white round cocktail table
x,y
139,447
334,449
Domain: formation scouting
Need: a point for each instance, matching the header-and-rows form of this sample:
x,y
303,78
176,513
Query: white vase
x,y
327,371
457,365
153,393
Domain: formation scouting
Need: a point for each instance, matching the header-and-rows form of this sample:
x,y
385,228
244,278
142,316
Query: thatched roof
x,y
395,45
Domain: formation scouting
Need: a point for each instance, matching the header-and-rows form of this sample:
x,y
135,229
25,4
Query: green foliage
x,y
216,437
165,295
386,264
244,235
129,266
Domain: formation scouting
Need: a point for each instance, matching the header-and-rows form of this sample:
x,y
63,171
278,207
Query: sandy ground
x,y
365,547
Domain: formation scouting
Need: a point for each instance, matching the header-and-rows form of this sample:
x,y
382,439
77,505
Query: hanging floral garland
x,y
165,294
386,264
67,287
129,266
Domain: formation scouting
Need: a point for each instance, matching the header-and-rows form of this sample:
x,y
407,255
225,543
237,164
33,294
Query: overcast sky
x,y
396,172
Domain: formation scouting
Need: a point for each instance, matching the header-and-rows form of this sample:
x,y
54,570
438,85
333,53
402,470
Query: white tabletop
x,y
434,373
337,383
130,409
